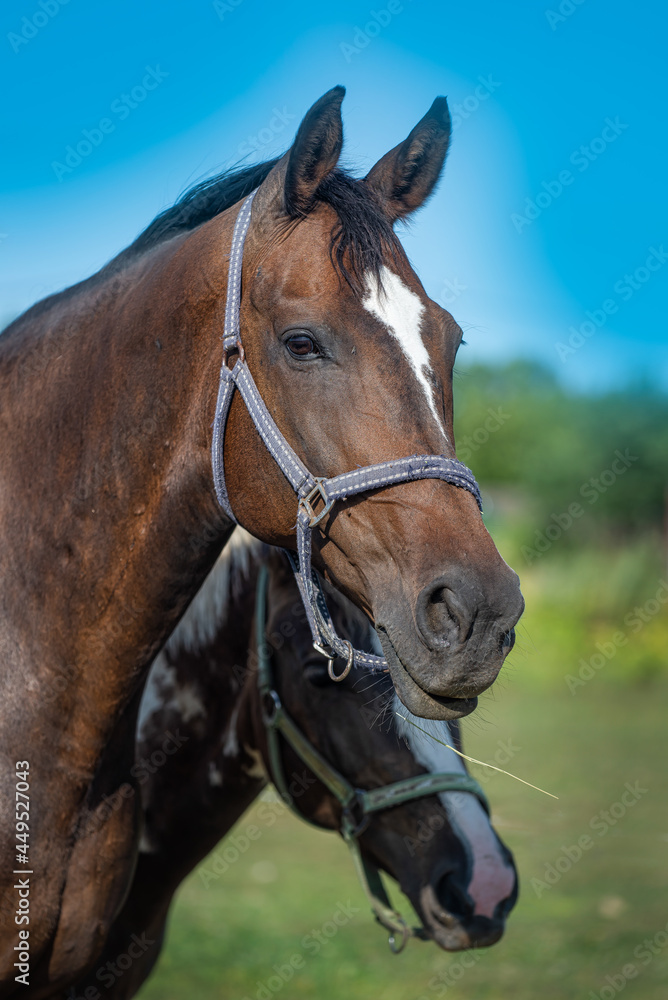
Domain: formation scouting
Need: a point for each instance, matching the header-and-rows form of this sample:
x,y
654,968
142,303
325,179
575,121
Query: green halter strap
x,y
357,804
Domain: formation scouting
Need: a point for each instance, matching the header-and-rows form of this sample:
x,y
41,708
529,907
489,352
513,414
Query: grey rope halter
x,y
310,489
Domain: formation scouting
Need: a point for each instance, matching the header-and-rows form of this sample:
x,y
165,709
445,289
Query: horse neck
x,y
201,692
106,500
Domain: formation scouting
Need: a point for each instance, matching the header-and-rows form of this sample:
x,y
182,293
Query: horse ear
x,y
291,184
405,177
315,152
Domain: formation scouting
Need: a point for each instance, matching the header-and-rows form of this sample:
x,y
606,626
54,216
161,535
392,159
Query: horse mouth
x,y
454,933
417,700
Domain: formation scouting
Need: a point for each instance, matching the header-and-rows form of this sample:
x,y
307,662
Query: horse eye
x,y
301,345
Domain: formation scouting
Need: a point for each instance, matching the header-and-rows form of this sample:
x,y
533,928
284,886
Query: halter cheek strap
x,y
315,494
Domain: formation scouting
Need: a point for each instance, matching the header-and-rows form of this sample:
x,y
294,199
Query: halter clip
x,y
331,655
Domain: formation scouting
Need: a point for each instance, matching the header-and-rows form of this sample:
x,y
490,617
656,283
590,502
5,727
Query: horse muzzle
x,y
450,647
449,915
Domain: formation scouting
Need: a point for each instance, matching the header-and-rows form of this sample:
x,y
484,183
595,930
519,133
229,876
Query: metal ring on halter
x,y
348,667
239,348
271,706
396,947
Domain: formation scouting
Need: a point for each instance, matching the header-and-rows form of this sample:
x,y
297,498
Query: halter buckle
x,y
307,502
354,818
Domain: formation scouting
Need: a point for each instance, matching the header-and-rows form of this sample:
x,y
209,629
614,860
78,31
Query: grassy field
x,y
225,938
563,939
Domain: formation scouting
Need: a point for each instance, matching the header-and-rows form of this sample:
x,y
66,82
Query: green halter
x,y
358,804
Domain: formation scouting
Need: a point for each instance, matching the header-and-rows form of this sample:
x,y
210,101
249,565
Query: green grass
x,y
560,944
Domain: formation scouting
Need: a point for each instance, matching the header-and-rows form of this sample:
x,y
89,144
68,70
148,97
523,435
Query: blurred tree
x,y
520,429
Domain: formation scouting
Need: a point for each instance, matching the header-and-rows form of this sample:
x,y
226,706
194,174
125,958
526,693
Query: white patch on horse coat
x,y
188,703
215,776
401,310
257,768
161,679
163,694
205,616
145,845
231,744
208,611
492,878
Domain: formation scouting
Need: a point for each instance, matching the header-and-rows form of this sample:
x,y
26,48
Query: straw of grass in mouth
x,y
472,760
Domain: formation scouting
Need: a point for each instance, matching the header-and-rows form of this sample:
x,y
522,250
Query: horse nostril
x,y
443,615
507,641
453,898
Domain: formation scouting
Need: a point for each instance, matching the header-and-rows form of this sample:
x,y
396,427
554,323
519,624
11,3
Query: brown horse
x,y
202,757
108,515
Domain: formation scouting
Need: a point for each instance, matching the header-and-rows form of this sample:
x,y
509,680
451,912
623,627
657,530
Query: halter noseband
x,y
358,805
311,490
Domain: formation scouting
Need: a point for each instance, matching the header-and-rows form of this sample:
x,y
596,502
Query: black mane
x,y
359,244
202,202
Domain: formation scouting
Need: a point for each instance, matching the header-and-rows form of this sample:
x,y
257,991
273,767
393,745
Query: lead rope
x,y
357,804
311,490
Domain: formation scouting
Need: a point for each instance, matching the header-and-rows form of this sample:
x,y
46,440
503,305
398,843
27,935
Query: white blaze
x,y
401,310
492,878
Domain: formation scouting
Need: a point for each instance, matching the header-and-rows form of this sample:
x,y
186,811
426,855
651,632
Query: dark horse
x,y
202,757
108,516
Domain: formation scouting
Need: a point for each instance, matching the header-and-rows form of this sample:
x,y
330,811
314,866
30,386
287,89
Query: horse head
x,y
354,362
440,848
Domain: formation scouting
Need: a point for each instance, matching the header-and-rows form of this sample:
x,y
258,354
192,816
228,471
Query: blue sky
x,y
549,228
